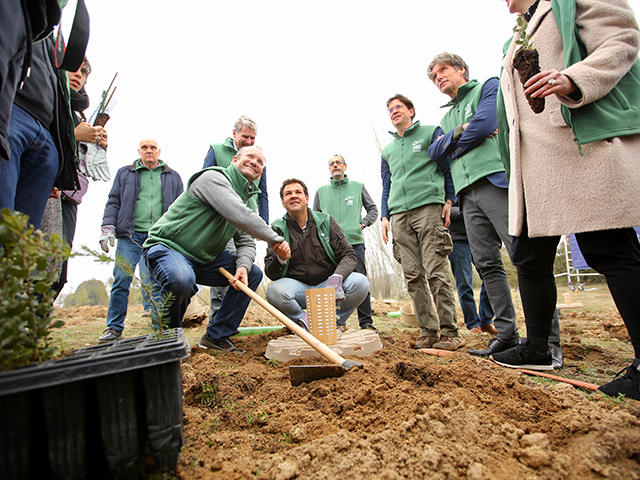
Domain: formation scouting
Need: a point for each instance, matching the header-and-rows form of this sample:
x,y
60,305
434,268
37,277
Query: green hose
x,y
245,331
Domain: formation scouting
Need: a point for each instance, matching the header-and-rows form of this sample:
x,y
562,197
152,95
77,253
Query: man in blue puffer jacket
x,y
140,195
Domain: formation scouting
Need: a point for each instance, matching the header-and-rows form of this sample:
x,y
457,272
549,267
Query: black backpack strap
x,y
70,58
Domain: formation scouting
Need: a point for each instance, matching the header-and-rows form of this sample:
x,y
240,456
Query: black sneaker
x,y
523,356
225,345
627,385
495,345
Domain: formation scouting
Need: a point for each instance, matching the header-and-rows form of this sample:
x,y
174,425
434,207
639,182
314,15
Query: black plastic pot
x,y
94,413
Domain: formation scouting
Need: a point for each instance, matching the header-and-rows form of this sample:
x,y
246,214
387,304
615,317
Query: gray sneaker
x,y
110,335
225,345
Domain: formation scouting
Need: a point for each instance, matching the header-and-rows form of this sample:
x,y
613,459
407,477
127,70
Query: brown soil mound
x,y
406,414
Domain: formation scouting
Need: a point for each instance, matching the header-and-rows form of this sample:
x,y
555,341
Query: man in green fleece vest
x,y
320,257
417,195
188,244
243,134
344,200
468,138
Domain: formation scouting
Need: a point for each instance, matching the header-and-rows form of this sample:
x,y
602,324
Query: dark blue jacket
x,y
121,206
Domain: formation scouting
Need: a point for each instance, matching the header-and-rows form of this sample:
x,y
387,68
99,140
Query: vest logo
x,y
417,145
468,113
349,199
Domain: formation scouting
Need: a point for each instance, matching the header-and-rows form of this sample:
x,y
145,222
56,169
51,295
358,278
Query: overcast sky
x,y
314,76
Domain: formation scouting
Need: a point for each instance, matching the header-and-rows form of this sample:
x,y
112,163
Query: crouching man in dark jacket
x,y
320,257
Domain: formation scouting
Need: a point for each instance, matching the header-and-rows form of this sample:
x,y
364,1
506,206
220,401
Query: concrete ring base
x,y
361,343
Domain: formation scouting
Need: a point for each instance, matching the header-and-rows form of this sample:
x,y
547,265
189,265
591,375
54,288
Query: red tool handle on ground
x,y
575,383
313,342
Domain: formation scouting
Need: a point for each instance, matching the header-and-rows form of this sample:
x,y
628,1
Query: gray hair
x,y
446,58
243,149
245,121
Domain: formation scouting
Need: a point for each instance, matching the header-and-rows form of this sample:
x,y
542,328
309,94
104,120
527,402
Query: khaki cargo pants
x,y
423,245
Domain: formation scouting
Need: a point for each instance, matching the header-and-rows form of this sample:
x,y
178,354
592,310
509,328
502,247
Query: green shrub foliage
x,y
26,298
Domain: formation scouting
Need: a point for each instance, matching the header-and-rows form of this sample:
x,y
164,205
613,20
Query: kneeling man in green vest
x,y
187,245
320,257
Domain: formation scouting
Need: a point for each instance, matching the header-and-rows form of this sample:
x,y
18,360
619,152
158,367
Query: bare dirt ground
x,y
407,414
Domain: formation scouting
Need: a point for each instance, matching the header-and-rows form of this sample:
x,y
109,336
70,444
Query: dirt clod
x,y
527,62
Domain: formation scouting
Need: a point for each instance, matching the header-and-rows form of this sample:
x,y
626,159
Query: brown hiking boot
x,y
449,343
426,342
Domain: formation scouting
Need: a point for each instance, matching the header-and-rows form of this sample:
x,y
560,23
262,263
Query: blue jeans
x,y
287,295
461,261
145,276
216,294
178,275
27,178
128,251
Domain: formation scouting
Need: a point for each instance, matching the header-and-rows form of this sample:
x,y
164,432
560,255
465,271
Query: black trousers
x,y
613,253
364,310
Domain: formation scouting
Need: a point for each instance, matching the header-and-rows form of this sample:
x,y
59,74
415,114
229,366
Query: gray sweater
x,y
214,189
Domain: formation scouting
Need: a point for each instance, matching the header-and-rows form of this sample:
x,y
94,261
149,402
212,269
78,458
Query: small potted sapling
x,y
527,62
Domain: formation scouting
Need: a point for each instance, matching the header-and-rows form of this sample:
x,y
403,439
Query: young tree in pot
x,y
527,62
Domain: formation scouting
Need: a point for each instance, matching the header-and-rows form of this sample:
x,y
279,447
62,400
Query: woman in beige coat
x,y
583,179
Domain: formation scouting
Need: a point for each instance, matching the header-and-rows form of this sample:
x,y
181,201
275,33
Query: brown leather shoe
x,y
476,330
490,329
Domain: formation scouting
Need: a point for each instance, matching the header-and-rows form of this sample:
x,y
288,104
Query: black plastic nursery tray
x,y
93,414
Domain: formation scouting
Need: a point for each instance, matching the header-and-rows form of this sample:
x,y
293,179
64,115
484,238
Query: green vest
x,y
224,153
415,179
480,161
323,227
617,113
614,115
194,228
342,199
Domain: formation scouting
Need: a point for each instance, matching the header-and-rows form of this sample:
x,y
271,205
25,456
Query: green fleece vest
x,y
224,153
480,161
342,199
415,179
195,229
323,227
614,115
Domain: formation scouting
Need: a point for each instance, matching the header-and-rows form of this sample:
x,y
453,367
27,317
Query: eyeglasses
x,y
335,162
396,108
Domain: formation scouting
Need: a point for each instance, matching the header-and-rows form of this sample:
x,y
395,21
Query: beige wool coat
x,y
557,189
